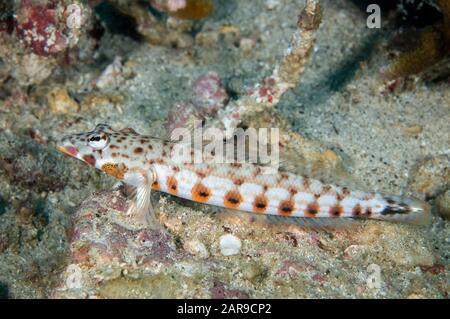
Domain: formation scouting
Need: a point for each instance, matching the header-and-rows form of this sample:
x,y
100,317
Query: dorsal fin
x,y
128,130
102,127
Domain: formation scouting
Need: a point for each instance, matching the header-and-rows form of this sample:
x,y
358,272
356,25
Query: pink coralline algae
x,y
94,237
207,98
219,291
267,89
181,115
174,5
36,36
209,95
48,28
39,30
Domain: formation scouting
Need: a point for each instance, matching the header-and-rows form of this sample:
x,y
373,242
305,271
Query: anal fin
x,y
316,223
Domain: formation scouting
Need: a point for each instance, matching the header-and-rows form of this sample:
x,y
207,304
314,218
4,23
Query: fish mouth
x,y
70,150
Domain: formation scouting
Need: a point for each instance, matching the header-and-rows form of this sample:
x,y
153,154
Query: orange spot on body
x,y
232,199
260,204
311,210
156,186
356,211
200,174
200,193
286,208
172,185
175,168
115,170
293,191
336,210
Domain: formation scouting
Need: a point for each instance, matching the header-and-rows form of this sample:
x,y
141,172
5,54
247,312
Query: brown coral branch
x,y
285,76
433,46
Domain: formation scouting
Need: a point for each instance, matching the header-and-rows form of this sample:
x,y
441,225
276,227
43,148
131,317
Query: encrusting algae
x,y
194,10
433,46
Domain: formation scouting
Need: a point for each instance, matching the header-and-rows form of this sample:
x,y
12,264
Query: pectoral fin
x,y
141,208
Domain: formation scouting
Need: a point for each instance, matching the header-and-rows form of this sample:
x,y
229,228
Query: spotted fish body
x,y
147,163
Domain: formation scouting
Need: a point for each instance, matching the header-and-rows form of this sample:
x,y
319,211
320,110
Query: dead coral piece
x,y
431,177
443,204
60,102
427,53
172,31
37,35
190,9
285,76
208,97
433,46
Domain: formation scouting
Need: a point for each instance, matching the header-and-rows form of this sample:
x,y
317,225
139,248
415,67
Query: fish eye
x,y
98,141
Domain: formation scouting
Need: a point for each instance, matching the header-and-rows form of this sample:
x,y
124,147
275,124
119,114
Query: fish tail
x,y
404,210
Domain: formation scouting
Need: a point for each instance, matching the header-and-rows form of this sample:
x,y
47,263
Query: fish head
x,y
90,147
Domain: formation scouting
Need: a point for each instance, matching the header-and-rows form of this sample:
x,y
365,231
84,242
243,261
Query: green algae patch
x,y
152,286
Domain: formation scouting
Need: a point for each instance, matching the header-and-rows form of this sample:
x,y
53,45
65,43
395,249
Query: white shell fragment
x,y
196,248
230,245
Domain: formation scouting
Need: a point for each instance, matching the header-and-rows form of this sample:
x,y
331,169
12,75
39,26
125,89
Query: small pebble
x,y
196,248
60,102
443,204
247,45
272,4
413,130
230,245
431,176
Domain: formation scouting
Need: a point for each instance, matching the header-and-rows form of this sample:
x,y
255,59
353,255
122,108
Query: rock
x,y
32,69
416,296
41,35
196,248
271,4
247,45
255,273
353,252
230,245
60,102
112,76
207,39
443,204
431,177
413,130
4,291
182,115
209,96
159,286
190,9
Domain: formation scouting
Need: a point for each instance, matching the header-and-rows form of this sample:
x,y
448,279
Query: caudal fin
x,y
405,210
